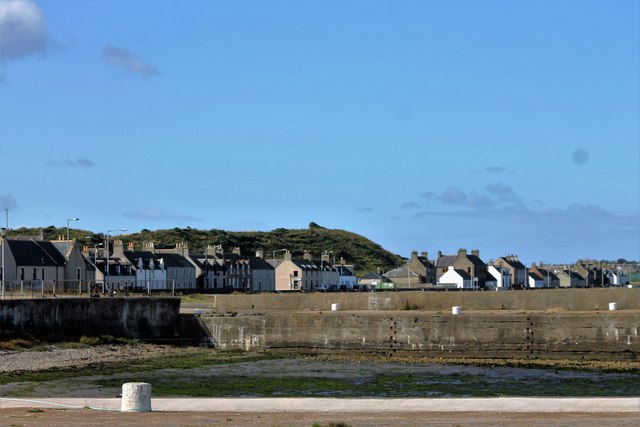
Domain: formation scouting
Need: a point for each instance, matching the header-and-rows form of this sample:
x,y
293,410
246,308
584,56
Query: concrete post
x,y
136,397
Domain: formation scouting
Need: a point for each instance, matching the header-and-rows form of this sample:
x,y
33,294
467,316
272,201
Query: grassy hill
x,y
365,254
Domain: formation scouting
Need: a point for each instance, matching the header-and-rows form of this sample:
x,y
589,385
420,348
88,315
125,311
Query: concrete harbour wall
x,y
604,336
547,299
66,318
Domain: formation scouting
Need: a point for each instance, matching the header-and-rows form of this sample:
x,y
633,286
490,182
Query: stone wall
x,y
543,299
70,318
606,335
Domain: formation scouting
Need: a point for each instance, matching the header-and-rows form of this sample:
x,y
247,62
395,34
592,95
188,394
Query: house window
x,y
1,274
42,276
35,274
78,273
22,274
295,273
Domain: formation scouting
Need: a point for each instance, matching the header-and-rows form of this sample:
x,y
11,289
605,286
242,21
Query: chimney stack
x,y
118,249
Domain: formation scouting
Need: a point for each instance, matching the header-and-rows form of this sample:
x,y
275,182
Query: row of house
x,y
64,265
467,271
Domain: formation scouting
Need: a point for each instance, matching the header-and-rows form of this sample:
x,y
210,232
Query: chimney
x,y
149,246
425,255
259,253
439,254
306,256
462,252
219,249
236,250
183,249
210,251
130,246
118,249
475,252
414,254
325,257
287,256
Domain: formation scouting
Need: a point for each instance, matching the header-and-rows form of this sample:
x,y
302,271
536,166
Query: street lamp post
x,y
104,282
2,233
273,253
69,220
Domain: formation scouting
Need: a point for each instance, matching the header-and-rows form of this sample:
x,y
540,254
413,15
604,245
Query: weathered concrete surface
x,y
605,335
143,318
545,299
349,405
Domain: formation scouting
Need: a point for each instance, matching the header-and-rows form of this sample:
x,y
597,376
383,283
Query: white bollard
x,y
613,306
336,307
456,309
136,397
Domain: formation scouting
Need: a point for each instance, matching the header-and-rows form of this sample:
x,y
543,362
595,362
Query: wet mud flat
x,y
336,377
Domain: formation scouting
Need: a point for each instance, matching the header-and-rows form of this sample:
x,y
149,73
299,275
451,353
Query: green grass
x,y
182,375
192,360
435,385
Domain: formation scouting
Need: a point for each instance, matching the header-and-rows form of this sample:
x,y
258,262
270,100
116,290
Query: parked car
x,y
321,287
333,288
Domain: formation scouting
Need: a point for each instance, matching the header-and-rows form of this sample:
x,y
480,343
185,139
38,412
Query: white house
x,y
348,278
617,277
459,278
534,281
502,276
151,273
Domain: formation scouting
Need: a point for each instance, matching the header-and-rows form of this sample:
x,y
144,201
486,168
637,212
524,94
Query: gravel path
x,y
20,361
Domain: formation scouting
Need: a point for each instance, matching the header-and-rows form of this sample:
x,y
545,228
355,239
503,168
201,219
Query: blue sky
x,y
511,127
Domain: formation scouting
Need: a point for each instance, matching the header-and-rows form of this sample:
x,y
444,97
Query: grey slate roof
x,y
147,257
372,275
254,262
475,260
35,253
464,274
401,272
425,261
174,260
446,261
344,270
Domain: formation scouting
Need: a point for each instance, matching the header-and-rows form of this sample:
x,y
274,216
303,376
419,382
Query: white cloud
x,y
83,162
411,205
493,194
22,30
80,162
365,209
128,61
502,192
